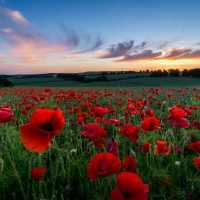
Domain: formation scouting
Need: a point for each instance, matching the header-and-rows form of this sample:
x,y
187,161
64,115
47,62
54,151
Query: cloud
x,y
118,50
192,54
22,39
175,52
144,55
15,16
77,38
30,59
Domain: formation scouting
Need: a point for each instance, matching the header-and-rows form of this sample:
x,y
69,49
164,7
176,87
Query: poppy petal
x,y
33,140
117,195
143,195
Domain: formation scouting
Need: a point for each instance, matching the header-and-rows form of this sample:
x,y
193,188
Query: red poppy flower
x,y
165,181
112,146
99,111
195,146
130,187
99,138
197,161
180,122
130,131
196,124
43,126
6,114
145,147
37,173
91,128
150,124
130,164
177,113
160,147
102,165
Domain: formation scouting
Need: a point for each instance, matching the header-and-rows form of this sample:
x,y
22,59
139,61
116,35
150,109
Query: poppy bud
x,y
132,153
73,151
90,144
177,163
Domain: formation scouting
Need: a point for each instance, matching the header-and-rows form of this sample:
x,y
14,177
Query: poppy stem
x,y
15,171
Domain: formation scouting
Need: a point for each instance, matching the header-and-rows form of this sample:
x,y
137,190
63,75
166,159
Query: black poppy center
x,y
48,127
127,195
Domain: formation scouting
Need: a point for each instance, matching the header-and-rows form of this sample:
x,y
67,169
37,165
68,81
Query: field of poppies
x,y
99,144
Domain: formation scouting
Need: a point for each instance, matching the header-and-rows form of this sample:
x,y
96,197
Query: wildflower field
x,y
98,144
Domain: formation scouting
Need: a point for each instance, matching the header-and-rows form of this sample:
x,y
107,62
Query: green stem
x,y
15,172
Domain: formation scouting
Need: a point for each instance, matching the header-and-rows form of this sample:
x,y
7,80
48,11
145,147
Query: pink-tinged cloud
x,y
175,52
195,54
15,16
24,40
144,55
118,50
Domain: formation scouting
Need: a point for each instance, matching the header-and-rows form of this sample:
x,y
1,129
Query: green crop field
x,y
133,82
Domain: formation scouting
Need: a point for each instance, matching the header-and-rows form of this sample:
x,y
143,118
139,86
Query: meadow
x,y
101,140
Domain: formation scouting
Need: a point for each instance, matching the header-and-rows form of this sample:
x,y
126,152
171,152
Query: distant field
x,y
137,82
118,76
42,82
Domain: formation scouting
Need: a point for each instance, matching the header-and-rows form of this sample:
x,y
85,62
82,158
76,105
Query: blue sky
x,y
41,36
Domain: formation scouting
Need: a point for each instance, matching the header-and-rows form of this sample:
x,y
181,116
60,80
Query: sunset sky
x,y
49,36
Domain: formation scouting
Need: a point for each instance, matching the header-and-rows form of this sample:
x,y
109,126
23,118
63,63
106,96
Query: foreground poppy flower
x,y
130,164
37,173
130,187
102,165
160,147
145,147
91,129
176,117
99,111
99,138
150,124
43,126
195,146
6,114
197,161
130,131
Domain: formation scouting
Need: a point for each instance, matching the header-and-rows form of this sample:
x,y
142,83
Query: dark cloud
x,y
118,50
144,55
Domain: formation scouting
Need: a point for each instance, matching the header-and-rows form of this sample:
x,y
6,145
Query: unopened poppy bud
x,y
177,163
1,165
90,144
132,153
73,151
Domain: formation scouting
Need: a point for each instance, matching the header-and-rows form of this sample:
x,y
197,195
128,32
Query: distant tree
x,y
104,73
147,71
185,72
174,72
4,82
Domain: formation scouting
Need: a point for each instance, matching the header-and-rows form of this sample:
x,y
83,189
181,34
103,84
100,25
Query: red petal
x,y
117,195
32,139
142,195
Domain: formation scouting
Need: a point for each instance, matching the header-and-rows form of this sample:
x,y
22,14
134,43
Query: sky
x,y
71,36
